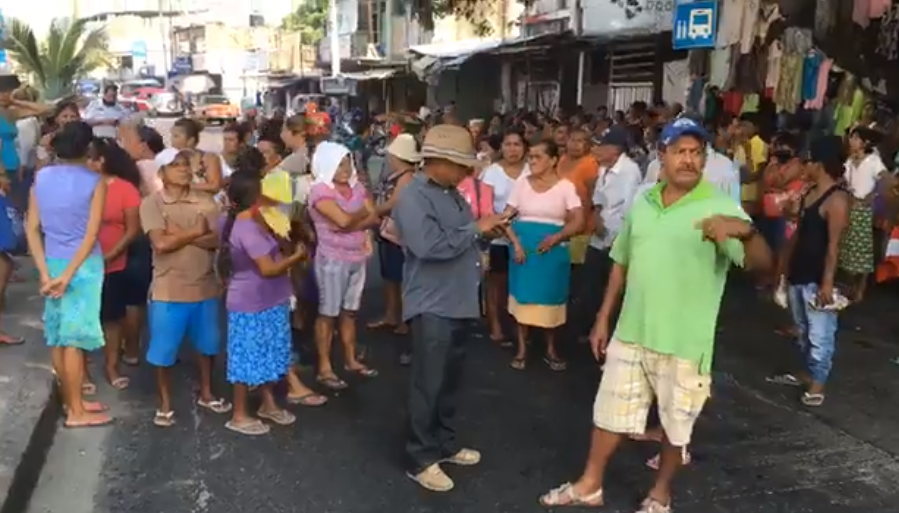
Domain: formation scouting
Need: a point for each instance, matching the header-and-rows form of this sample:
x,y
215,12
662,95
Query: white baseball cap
x,y
166,157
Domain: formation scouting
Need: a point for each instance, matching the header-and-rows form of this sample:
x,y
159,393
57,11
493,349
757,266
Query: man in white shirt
x,y
106,113
719,170
616,185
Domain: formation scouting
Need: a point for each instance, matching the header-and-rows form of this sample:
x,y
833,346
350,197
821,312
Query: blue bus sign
x,y
695,25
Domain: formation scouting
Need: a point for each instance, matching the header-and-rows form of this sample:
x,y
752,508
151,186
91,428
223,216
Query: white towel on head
x,y
325,161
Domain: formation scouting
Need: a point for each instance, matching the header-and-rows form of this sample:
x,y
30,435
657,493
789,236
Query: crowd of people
x,y
592,221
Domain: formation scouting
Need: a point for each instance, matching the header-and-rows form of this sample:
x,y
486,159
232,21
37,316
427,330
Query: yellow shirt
x,y
758,154
276,186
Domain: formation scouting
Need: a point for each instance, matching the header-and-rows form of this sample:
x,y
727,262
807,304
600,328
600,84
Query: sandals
x,y
98,421
565,496
280,417
651,505
655,461
311,400
164,419
120,383
215,405
254,427
785,380
332,382
555,363
365,372
9,340
812,400
518,363
88,389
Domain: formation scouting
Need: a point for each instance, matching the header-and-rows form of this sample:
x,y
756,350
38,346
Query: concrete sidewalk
x,y
28,406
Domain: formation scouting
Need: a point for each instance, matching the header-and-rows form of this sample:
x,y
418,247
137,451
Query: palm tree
x,y
71,50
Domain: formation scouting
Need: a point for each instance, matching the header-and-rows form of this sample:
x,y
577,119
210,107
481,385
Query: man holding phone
x,y
105,114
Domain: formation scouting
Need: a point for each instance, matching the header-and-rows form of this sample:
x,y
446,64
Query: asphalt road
x,y
757,450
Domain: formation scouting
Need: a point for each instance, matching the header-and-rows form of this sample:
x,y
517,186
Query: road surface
x,y
756,451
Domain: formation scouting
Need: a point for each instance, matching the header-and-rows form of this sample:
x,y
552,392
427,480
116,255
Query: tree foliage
x,y
426,11
309,19
71,50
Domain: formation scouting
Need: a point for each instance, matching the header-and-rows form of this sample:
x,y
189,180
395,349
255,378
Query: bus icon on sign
x,y
700,24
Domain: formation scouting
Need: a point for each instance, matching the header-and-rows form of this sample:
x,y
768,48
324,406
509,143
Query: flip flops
x,y
120,383
332,382
98,421
311,400
215,405
280,417
253,428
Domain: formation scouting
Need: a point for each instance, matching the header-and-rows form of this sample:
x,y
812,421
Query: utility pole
x,y
334,36
166,34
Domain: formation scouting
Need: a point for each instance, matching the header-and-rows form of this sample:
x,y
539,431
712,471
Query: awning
x,y
371,74
429,60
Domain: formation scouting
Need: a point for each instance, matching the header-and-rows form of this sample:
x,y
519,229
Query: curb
x,y
28,469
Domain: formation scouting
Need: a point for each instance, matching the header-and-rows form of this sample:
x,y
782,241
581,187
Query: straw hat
x,y
405,148
452,143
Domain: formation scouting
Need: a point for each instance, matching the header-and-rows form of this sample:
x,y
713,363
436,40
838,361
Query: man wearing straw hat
x,y
441,277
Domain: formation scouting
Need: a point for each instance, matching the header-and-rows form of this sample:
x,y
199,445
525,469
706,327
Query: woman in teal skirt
x,y
64,213
548,212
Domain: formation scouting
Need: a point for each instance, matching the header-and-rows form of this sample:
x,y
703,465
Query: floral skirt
x,y
857,244
73,320
259,345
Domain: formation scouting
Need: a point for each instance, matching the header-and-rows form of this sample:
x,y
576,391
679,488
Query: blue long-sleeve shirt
x,y
442,270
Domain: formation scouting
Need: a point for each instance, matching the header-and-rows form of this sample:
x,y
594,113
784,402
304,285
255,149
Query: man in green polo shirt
x,y
670,262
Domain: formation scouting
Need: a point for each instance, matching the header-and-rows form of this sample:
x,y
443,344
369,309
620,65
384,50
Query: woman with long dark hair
x,y
63,113
258,305
119,227
65,211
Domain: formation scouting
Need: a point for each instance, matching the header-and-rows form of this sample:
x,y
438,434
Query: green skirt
x,y
857,244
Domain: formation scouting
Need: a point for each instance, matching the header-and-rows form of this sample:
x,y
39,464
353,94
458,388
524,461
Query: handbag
x,y
389,231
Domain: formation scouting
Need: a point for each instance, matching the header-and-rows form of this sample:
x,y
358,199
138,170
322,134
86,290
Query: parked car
x,y
211,108
167,104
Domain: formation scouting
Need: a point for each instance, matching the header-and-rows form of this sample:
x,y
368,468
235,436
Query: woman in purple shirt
x,y
258,304
64,214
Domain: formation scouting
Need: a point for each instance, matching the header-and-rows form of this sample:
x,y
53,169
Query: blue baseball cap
x,y
681,127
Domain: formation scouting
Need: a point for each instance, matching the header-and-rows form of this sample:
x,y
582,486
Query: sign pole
x,y
334,36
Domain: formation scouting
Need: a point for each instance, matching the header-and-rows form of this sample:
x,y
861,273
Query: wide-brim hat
x,y
405,148
452,143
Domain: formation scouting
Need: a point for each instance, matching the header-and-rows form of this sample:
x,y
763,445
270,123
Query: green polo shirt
x,y
675,278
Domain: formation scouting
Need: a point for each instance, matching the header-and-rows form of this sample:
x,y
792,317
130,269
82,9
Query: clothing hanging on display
x,y
888,37
810,66
821,83
775,53
720,66
769,12
788,92
737,23
798,40
825,17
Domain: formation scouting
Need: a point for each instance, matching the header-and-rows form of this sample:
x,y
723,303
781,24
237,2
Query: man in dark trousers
x,y
441,277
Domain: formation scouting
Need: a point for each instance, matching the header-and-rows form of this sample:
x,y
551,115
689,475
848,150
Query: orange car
x,y
216,108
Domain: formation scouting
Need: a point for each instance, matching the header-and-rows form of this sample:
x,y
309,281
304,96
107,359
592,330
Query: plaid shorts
x,y
634,377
